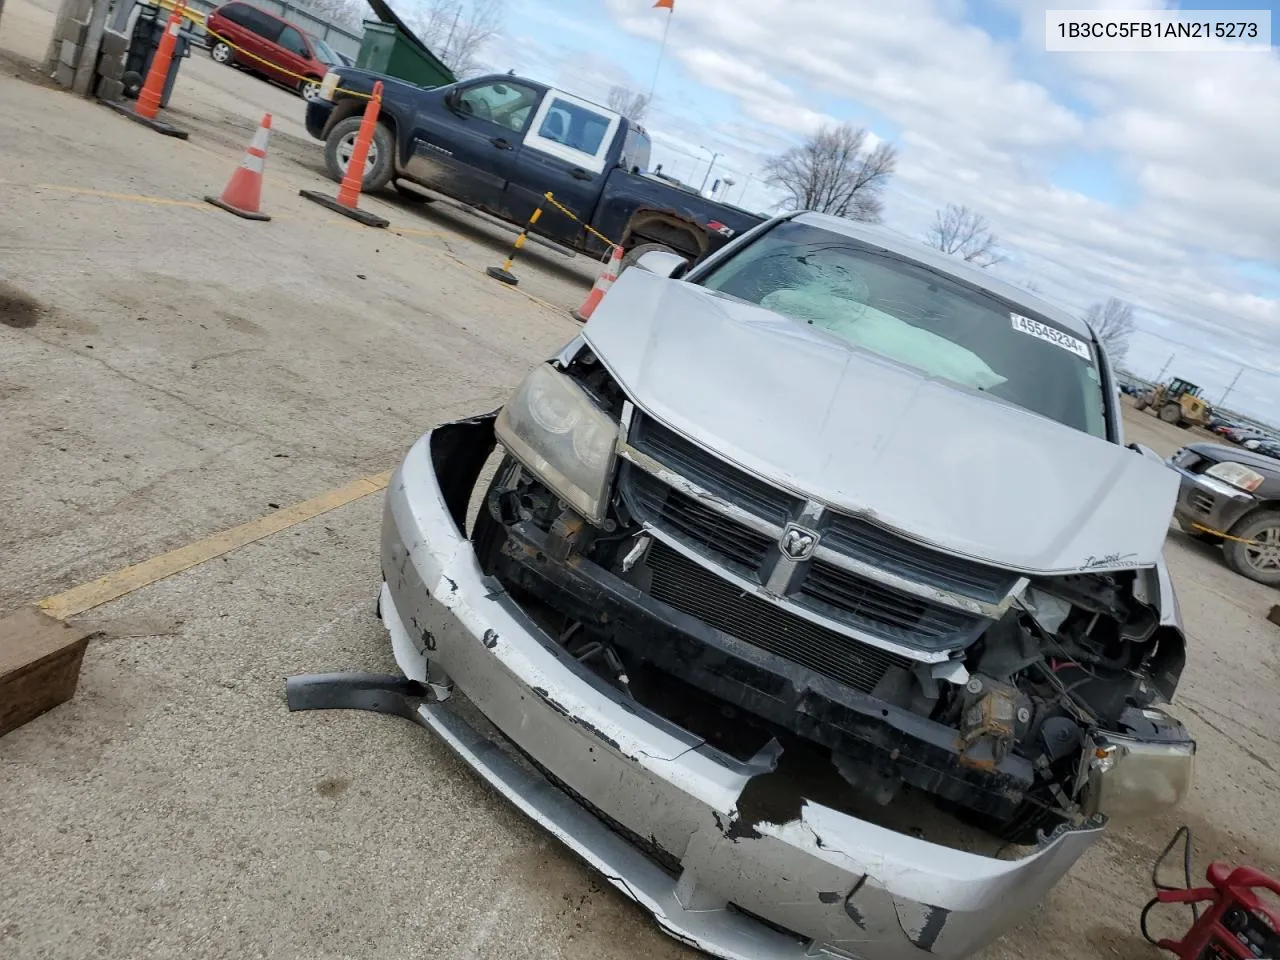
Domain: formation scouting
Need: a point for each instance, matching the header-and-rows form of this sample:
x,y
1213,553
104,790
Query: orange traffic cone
x,y
603,282
243,193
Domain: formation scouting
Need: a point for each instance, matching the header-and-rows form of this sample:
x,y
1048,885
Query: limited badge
x,y
1042,331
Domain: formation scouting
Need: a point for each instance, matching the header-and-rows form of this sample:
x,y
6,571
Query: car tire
x,y
378,165
1261,562
309,89
1171,413
639,250
222,53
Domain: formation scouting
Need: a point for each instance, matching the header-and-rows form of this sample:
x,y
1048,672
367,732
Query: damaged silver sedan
x,y
816,600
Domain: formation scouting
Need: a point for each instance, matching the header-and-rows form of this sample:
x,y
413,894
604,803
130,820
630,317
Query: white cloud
x,y
981,122
978,121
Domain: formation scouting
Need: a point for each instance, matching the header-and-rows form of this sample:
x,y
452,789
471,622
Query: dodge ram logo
x,y
797,543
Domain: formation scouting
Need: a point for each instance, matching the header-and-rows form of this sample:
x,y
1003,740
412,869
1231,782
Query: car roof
x,y
935,259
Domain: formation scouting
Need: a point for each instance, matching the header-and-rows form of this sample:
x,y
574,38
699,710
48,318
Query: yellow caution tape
x,y
279,69
1224,536
200,20
586,226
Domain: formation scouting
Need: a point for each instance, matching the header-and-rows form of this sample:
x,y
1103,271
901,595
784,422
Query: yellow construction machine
x,y
1178,402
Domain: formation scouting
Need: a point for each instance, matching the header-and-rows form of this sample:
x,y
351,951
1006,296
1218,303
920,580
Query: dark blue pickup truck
x,y
500,142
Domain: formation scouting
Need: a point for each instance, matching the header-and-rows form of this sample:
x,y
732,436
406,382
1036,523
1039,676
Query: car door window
x,y
292,41
501,102
235,12
265,26
574,130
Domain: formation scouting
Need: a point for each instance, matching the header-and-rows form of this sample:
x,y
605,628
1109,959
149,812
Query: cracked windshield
x,y
908,313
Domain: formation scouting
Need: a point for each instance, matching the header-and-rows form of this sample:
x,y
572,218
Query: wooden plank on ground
x,y
39,665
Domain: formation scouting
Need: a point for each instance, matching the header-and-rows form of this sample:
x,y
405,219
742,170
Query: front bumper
x,y
317,116
841,886
1207,502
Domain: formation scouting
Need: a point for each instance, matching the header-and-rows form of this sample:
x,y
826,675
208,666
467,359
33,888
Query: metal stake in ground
x,y
353,179
503,272
148,104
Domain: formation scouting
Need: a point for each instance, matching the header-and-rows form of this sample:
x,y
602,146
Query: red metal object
x,y
353,179
153,89
1239,926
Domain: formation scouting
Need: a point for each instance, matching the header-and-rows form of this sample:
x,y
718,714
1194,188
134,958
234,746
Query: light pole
x,y
1227,393
715,155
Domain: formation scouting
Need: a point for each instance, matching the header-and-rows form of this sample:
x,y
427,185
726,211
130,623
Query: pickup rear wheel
x,y
340,144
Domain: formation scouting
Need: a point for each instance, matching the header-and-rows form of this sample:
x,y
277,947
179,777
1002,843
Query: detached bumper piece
x,y
660,813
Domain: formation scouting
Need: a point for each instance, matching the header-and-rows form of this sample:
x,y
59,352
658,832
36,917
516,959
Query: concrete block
x,y
70,54
110,89
111,67
74,31
64,74
114,44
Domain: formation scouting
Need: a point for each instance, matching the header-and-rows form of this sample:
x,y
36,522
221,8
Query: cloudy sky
x,y
1154,177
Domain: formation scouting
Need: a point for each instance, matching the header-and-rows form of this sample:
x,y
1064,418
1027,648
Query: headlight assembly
x,y
1236,474
552,427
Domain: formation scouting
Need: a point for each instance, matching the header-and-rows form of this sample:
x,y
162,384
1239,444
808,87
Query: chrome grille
x,y
869,593
684,517
880,548
694,590
719,477
829,590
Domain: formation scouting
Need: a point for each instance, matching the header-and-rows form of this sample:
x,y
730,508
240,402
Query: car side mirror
x,y
453,100
664,264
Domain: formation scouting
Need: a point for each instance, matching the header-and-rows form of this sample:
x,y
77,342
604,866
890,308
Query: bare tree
x,y
966,234
346,13
1113,324
627,102
456,31
834,172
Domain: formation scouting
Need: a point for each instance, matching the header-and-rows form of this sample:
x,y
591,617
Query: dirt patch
x,y
17,309
332,786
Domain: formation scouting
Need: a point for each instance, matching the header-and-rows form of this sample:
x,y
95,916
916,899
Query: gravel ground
x,y
168,371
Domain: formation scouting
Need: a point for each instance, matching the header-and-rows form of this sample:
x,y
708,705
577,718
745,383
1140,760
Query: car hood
x,y
935,462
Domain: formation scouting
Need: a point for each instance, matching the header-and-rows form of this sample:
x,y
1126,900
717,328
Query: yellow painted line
x,y
128,579
130,197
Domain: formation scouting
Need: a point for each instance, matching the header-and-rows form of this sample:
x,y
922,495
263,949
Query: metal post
x,y
715,155
87,67
503,272
1160,375
1223,401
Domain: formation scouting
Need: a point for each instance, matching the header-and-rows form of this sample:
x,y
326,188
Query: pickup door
x,y
565,151
466,138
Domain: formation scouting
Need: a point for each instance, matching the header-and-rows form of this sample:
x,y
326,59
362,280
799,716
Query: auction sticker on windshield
x,y
1042,331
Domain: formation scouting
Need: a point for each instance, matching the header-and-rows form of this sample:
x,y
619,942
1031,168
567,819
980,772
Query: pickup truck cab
x,y
500,143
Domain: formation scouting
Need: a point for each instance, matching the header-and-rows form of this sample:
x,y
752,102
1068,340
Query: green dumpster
x,y
391,51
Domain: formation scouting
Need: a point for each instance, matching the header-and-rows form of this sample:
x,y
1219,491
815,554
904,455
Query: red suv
x,y
243,35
